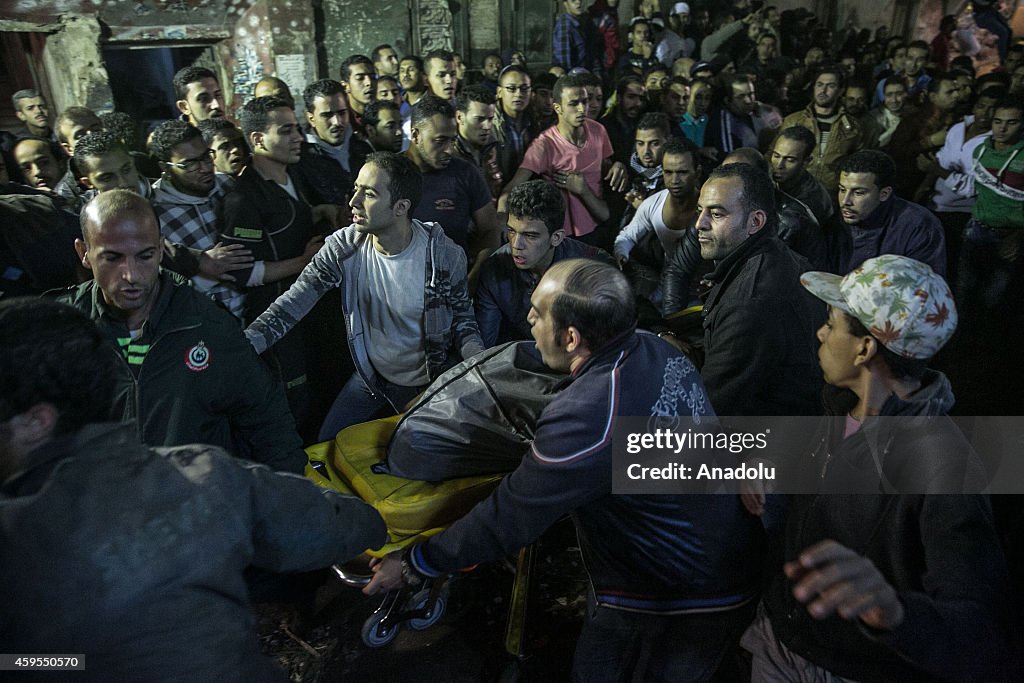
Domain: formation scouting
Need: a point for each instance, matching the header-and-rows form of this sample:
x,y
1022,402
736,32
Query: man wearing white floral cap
x,y
879,587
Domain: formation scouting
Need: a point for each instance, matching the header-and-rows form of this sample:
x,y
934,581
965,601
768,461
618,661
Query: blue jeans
x,y
625,646
356,404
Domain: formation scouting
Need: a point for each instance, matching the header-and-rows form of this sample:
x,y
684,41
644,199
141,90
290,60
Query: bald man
x,y
185,372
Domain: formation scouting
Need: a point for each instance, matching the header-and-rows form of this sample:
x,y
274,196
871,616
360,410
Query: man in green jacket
x,y
185,372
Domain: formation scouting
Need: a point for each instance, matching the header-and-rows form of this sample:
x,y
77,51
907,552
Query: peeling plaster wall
x,y
249,54
75,67
484,31
358,27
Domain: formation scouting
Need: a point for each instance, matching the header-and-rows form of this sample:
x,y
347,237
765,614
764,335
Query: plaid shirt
x,y
574,43
192,221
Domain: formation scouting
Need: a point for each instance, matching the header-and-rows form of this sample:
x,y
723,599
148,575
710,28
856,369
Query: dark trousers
x,y
625,646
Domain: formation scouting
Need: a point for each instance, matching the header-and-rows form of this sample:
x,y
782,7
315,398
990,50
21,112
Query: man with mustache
x,y
359,78
199,94
31,109
325,161
38,163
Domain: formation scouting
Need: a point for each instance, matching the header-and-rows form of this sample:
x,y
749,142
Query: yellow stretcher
x,y
412,510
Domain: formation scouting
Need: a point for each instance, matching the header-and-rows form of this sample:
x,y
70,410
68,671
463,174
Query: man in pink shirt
x,y
574,155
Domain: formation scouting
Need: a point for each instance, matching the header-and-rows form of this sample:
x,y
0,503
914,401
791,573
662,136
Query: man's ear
x,y
67,149
84,180
309,117
34,427
866,350
82,249
256,140
757,220
572,339
884,194
401,207
557,237
183,107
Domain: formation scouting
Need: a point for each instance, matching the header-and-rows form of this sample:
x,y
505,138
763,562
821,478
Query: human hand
x,y
221,258
617,177
387,574
571,182
833,579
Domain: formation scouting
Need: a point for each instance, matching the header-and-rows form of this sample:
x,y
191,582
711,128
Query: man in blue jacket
x,y
672,577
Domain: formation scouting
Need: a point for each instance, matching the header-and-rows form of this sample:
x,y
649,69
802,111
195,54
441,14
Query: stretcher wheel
x,y
376,635
419,601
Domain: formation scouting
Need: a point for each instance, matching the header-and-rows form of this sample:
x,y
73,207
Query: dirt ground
x,y
315,636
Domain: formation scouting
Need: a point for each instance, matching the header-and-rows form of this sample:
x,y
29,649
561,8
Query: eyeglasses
x,y
189,165
513,89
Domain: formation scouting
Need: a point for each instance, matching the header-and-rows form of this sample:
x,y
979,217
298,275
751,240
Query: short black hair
x,y
473,93
414,59
190,74
211,128
538,200
169,135
1009,102
123,126
429,106
758,193
752,157
871,161
679,146
544,81
371,115
800,134
567,81
325,87
623,84
404,180
352,60
836,70
655,120
97,144
53,353
901,367
255,114
375,52
938,79
441,54
596,299
386,77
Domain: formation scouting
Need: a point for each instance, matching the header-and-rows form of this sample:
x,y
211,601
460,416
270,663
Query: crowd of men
x,y
831,207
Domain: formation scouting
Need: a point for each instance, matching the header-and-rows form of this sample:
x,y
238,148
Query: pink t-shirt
x,y
551,152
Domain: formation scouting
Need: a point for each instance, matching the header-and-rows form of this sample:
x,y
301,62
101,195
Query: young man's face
x,y
632,101
530,243
543,103
74,131
946,98
572,109
441,78
916,59
574,7
282,141
838,350
387,62
476,124
595,101
388,91
434,140
895,95
743,100
191,168
203,100
35,114
514,93
1006,127
409,76
329,118
788,158
492,67
680,174
650,146
112,171
656,80
766,48
859,196
360,84
37,163
640,34
372,208
229,152
827,90
386,136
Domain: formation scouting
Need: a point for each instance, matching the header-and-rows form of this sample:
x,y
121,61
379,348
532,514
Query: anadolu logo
x,y
197,358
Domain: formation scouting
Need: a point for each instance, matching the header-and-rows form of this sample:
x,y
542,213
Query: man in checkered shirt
x,y
186,199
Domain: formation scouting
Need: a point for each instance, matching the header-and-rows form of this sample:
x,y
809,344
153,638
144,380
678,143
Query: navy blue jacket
x,y
650,553
896,227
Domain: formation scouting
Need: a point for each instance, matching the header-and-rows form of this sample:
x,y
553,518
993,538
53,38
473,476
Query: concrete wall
x,y
356,27
75,67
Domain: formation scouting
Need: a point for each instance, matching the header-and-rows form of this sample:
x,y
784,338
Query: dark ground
x,y
466,645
